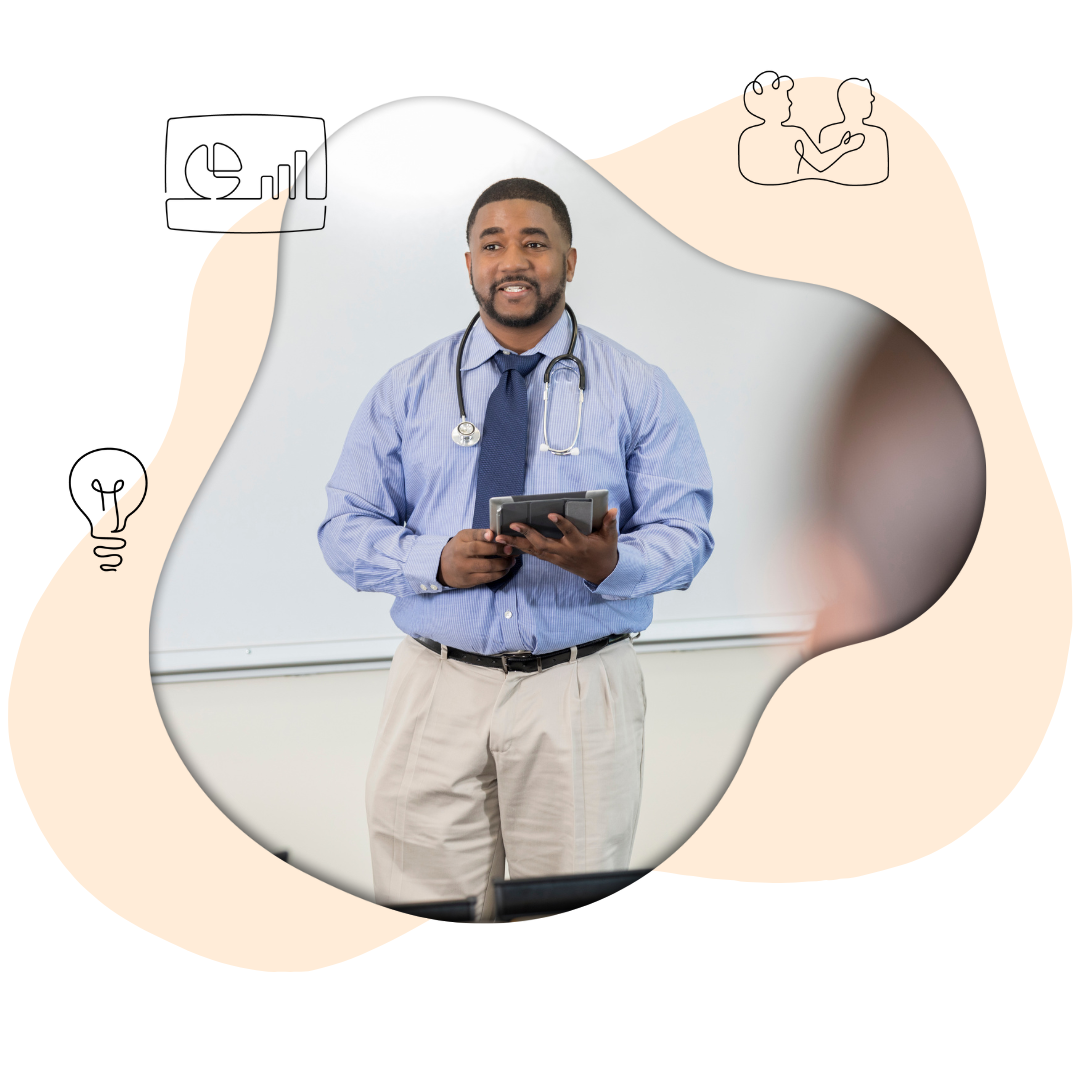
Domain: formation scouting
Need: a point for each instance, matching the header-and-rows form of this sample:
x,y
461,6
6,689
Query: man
x,y
514,712
871,164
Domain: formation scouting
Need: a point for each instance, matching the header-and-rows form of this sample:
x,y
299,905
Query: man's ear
x,y
468,263
571,262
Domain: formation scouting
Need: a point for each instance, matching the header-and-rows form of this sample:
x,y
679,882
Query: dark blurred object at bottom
x,y
444,910
528,897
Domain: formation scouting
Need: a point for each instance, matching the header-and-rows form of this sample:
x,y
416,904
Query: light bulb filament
x,y
117,487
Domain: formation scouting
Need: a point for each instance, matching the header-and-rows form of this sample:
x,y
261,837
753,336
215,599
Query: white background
x,y
962,964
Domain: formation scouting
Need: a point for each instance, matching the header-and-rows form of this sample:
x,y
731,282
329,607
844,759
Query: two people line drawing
x,y
849,151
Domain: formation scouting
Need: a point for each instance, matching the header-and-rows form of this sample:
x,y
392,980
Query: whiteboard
x,y
758,360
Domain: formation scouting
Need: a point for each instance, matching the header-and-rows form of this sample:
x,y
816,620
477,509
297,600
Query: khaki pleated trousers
x,y
473,765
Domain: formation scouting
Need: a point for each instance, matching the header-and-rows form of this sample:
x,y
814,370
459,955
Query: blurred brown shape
x,y
904,487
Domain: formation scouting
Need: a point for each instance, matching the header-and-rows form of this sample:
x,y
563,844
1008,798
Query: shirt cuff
x,y
422,563
624,579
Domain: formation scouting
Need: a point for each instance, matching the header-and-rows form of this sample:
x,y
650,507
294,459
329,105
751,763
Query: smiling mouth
x,y
514,289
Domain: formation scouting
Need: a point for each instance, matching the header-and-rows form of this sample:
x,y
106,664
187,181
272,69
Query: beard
x,y
545,305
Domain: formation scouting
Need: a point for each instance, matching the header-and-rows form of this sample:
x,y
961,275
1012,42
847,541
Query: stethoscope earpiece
x,y
466,433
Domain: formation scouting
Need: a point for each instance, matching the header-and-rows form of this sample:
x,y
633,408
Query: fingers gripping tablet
x,y
586,509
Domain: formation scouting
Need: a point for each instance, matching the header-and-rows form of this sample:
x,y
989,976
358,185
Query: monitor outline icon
x,y
292,182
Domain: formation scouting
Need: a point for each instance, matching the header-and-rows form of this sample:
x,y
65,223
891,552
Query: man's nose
x,y
514,258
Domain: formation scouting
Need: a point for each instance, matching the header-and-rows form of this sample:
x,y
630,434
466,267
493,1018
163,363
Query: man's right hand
x,y
472,558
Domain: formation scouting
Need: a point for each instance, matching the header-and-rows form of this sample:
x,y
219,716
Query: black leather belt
x,y
522,661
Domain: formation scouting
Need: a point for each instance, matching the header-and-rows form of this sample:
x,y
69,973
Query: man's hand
x,y
591,557
473,558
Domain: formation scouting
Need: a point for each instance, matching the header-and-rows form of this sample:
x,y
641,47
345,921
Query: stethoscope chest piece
x,y
466,433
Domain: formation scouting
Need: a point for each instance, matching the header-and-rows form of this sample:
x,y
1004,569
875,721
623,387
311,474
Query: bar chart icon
x,y
219,166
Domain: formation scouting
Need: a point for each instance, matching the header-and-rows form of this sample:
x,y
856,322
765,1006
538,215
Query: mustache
x,y
514,277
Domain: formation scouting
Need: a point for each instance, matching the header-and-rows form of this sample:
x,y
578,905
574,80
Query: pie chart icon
x,y
212,175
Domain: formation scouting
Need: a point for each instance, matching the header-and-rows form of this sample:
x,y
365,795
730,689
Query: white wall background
x,y
961,963
758,360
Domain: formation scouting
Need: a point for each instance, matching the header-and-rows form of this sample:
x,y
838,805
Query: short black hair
x,y
520,187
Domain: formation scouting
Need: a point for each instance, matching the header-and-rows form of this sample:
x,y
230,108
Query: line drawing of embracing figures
x,y
849,151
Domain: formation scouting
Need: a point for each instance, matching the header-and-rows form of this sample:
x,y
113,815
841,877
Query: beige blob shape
x,y
865,758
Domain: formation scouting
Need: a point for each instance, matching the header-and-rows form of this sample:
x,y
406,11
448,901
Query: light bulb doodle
x,y
96,482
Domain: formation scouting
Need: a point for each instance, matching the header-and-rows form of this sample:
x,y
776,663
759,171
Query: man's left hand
x,y
591,557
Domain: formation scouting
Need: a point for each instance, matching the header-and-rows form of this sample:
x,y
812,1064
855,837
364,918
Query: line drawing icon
x,y
220,166
95,483
849,151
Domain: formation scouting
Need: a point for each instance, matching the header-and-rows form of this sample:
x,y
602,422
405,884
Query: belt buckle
x,y
521,654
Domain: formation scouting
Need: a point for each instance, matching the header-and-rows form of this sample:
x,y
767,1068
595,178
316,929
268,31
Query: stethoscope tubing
x,y
460,354
568,355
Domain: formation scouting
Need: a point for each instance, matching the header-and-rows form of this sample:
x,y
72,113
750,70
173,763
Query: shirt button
x,y
508,614
423,586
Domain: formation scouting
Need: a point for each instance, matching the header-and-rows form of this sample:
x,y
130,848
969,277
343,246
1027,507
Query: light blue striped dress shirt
x,y
402,488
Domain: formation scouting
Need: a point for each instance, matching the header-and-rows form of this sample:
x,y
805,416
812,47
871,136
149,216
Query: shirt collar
x,y
481,346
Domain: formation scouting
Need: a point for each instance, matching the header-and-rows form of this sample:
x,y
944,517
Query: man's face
x,y
857,102
519,261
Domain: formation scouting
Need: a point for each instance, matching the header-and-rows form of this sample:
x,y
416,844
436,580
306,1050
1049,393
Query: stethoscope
x,y
468,434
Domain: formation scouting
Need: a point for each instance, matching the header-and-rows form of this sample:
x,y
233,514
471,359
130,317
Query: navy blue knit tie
x,y
505,442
